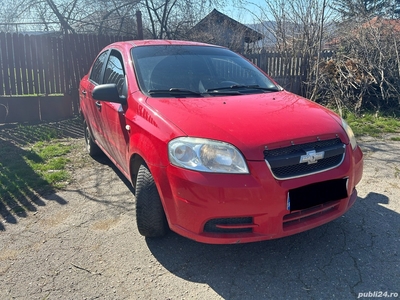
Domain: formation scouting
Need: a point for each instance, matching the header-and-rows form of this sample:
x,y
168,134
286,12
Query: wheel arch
x,y
135,162
84,119
148,148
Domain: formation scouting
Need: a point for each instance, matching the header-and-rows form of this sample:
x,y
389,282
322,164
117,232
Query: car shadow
x,y
104,160
18,196
356,253
103,182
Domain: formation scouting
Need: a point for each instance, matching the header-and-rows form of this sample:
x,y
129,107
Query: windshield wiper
x,y
237,87
175,91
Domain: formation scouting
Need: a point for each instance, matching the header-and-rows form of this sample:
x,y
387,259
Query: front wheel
x,y
150,216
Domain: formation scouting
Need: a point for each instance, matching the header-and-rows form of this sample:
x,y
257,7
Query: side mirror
x,y
108,92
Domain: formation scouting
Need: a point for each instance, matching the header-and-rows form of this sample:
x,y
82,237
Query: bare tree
x,y
173,18
299,29
11,13
118,16
350,9
97,16
63,18
162,18
361,9
365,72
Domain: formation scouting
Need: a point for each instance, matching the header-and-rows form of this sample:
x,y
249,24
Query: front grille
x,y
286,163
229,225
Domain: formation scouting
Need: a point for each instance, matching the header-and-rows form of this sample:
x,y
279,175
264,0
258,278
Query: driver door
x,y
116,134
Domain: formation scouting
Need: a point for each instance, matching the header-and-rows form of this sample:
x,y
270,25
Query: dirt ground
x,y
82,243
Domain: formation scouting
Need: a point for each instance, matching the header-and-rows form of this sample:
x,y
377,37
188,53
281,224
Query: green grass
x,y
32,171
33,161
371,125
47,159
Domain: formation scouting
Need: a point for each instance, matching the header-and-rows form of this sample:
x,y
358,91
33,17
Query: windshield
x,y
177,70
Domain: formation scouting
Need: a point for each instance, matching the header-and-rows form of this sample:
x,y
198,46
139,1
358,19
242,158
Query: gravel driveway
x,y
82,243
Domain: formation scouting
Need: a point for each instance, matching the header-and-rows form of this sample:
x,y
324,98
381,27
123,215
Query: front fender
x,y
148,136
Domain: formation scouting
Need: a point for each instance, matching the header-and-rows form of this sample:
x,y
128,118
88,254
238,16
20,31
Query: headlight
x,y
350,134
206,156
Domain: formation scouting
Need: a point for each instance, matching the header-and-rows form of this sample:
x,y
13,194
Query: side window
x,y
115,71
95,75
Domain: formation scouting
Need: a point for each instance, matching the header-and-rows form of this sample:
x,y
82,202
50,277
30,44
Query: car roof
x,y
138,43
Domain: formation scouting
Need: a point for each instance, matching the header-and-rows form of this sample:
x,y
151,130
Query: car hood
x,y
251,122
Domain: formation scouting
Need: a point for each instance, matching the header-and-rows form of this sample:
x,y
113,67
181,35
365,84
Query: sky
x,y
245,15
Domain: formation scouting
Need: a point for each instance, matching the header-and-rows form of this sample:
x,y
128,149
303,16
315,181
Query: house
x,y
389,28
219,29
377,28
386,24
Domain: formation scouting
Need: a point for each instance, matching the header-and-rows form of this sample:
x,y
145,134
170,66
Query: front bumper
x,y
225,208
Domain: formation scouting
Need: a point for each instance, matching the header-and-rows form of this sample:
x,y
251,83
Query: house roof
x,y
216,18
377,22
387,27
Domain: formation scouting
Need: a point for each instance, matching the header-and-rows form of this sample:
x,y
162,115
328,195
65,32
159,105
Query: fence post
x,y
139,25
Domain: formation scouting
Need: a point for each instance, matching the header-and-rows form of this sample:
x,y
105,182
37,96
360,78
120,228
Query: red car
x,y
216,150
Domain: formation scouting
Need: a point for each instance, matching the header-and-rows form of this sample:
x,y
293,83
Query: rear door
x,y
93,110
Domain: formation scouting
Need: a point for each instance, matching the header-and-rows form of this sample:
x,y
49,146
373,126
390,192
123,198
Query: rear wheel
x,y
150,216
91,146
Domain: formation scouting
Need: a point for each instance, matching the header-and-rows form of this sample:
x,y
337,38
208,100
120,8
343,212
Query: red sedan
x,y
216,150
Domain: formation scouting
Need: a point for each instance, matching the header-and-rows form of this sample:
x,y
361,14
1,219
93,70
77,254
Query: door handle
x,y
98,104
84,92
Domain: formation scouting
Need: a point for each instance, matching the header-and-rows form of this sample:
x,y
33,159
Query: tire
x,y
150,216
91,146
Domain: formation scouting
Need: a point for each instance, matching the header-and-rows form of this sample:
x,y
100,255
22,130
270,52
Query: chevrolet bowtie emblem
x,y
312,157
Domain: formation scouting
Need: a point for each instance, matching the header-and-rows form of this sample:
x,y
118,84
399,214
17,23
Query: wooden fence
x,y
289,72
37,68
40,74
